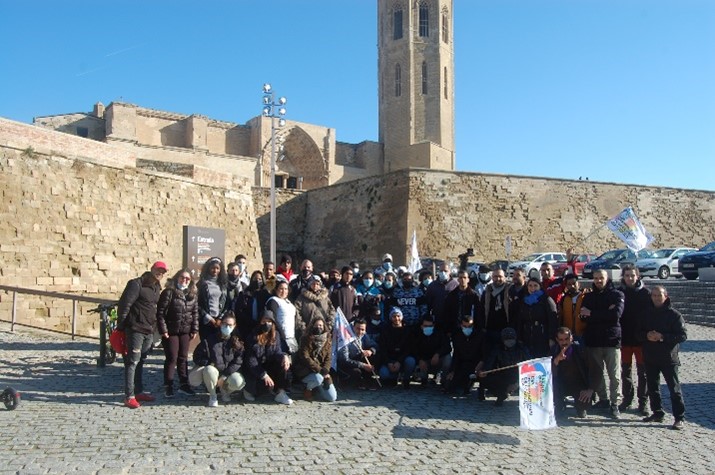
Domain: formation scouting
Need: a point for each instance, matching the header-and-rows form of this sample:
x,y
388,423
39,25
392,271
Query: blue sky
x,y
618,91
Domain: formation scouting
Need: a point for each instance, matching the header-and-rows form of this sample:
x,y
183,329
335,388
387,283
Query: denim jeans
x,y
407,368
315,380
138,347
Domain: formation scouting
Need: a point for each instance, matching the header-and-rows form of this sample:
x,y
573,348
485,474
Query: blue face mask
x,y
387,265
387,284
376,322
467,331
427,282
428,330
226,330
367,282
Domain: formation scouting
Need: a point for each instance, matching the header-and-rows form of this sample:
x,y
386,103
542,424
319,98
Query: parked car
x,y
663,263
614,259
690,263
575,264
532,262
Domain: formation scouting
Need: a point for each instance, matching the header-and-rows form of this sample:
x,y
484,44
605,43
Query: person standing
x,y
537,322
136,316
661,332
213,294
178,321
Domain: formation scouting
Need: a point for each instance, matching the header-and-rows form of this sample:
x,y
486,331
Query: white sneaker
x,y
225,396
248,396
282,398
213,401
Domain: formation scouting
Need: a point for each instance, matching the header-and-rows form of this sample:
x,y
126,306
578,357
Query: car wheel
x,y
691,276
664,272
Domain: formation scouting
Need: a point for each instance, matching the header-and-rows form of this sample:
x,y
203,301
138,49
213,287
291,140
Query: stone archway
x,y
302,158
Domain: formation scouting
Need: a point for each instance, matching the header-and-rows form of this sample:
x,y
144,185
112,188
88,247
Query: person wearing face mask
x,y
177,318
389,285
461,301
313,360
368,294
267,366
375,323
537,321
509,353
218,360
242,264
314,302
358,360
411,300
249,303
386,265
344,295
299,283
570,374
234,285
432,350
436,294
484,278
470,351
357,276
425,279
395,347
212,295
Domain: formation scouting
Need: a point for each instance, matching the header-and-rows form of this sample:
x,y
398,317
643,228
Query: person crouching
x,y
312,363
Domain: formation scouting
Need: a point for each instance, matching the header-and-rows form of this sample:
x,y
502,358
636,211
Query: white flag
x,y
536,395
342,335
415,263
627,227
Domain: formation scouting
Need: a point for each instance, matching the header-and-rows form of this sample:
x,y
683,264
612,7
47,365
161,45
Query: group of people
x,y
259,334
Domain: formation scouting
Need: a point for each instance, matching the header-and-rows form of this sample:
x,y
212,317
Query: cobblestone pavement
x,y
71,420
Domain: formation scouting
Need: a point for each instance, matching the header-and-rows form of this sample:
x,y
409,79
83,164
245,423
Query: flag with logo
x,y
343,335
536,396
415,263
629,230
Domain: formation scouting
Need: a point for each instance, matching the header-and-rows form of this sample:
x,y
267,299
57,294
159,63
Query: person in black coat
x,y
266,364
537,320
432,350
662,331
470,351
395,350
178,322
218,360
570,374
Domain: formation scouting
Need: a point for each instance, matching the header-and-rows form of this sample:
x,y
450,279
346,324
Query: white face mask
x,y
443,276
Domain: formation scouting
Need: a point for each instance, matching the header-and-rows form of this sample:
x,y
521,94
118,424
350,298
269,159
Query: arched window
x,y
424,77
446,82
424,20
398,80
397,24
445,25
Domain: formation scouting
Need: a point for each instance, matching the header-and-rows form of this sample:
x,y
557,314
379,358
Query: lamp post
x,y
274,110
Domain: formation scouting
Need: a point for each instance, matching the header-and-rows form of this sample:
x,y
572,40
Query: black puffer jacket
x,y
603,327
637,304
668,322
177,312
226,354
137,305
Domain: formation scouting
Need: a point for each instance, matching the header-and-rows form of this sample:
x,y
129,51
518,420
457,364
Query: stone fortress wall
x,y
78,216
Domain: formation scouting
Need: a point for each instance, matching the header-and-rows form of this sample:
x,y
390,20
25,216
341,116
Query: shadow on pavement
x,y
698,346
403,432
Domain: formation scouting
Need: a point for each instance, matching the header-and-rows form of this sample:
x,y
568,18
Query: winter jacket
x,y
501,356
459,303
257,356
344,297
435,296
603,327
636,305
537,323
311,305
226,354
490,321
424,347
350,355
313,357
394,344
569,309
668,322
177,312
468,350
137,305
206,315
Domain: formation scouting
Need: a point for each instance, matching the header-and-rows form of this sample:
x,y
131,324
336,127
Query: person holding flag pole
x,y
354,358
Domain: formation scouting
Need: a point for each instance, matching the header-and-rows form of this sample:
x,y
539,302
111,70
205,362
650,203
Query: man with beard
x,y
460,302
495,307
569,309
298,284
553,286
436,293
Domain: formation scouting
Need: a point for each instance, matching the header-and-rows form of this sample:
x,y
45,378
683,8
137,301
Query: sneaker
x,y
225,396
213,401
282,398
679,424
655,417
132,403
186,389
145,397
615,412
169,391
602,404
248,396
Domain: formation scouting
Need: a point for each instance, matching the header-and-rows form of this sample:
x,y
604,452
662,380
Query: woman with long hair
x,y
286,317
314,302
249,304
178,322
537,322
312,363
266,364
212,295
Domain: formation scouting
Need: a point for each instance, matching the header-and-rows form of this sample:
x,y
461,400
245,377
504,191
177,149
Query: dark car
x,y
613,259
690,263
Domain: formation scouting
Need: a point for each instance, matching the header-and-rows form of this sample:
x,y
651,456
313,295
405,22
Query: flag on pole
x,y
628,229
536,396
415,263
343,335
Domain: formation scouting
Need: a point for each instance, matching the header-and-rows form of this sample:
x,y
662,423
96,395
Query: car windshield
x,y
662,253
709,247
610,255
532,257
559,258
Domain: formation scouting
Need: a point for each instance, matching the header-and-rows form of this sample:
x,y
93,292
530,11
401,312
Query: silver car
x,y
532,263
663,263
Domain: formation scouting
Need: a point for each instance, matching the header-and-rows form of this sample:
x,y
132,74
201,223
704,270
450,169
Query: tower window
x,y
83,132
424,20
398,80
424,78
446,81
397,24
445,26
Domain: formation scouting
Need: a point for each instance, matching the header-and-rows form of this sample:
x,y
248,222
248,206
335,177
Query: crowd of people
x,y
270,332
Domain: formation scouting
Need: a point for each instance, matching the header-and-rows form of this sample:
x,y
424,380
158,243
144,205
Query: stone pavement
x,y
71,420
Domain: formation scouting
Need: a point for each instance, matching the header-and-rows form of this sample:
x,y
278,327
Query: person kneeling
x,y
218,359
312,364
357,359
570,372
503,357
266,364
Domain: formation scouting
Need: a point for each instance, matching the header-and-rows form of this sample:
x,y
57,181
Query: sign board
x,y
201,244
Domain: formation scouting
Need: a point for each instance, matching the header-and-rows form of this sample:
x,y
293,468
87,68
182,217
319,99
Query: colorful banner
x,y
536,396
629,230
342,335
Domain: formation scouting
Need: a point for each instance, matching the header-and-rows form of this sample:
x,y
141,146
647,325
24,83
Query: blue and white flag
x,y
415,263
343,335
629,230
536,394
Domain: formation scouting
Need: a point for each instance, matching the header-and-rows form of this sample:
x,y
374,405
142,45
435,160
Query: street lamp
x,y
274,110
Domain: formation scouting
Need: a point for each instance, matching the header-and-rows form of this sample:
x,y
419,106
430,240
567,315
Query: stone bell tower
x,y
416,83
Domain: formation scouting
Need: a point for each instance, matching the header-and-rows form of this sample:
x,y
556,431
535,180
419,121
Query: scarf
x,y
531,299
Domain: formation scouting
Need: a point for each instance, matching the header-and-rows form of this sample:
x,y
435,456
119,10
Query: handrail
x,y
57,295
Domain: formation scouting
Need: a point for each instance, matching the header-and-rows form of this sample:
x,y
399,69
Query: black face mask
x,y
305,273
265,327
317,331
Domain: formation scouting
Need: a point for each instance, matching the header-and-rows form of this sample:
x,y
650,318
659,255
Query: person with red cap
x,y
136,316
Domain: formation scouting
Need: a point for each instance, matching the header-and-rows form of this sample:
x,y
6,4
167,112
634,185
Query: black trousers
x,y
670,374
